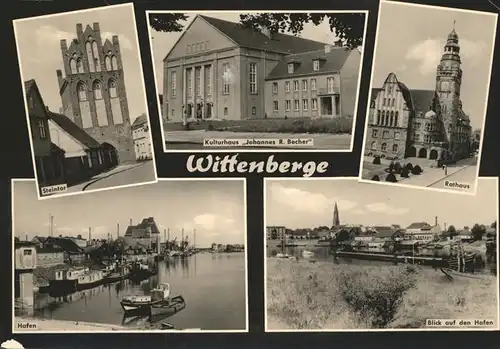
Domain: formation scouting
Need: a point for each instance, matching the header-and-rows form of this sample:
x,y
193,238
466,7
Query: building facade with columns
x,y
421,123
222,70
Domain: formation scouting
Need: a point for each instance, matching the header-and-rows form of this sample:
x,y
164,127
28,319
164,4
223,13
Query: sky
x,y
163,42
410,42
215,208
301,203
38,40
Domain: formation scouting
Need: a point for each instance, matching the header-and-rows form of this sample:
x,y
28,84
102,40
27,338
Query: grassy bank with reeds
x,y
302,295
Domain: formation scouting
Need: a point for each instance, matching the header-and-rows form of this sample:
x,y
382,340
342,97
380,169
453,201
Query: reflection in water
x,y
213,286
325,254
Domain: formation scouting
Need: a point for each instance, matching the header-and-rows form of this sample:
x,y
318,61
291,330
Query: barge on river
x,y
76,280
464,261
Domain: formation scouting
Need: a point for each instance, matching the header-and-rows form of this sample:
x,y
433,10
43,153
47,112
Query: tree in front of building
x,y
494,225
348,27
167,22
343,235
452,230
478,230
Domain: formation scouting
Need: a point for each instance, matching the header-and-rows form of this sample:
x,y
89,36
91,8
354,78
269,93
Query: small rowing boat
x,y
135,302
168,307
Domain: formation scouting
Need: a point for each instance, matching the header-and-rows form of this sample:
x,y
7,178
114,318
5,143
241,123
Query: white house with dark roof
x,y
423,231
223,70
140,136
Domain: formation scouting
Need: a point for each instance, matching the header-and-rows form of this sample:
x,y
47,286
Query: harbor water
x,y
324,254
212,284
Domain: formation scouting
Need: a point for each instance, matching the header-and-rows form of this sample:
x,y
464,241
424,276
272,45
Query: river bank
x,y
322,295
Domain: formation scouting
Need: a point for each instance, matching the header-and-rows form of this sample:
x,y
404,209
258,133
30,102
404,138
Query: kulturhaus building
x,y
222,70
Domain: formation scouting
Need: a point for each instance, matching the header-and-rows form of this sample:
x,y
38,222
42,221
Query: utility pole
x,y
194,239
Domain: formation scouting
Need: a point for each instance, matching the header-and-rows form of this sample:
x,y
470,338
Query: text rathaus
x,y
421,123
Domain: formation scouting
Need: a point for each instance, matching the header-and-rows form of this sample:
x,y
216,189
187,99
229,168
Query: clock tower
x,y
448,82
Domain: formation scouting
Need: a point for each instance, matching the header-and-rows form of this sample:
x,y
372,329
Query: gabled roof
x,y
251,38
74,130
384,231
422,99
56,148
28,85
418,100
140,120
66,244
332,61
419,225
48,249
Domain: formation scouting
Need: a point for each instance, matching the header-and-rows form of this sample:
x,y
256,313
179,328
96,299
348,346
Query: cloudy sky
x,y
410,43
40,54
302,203
163,42
215,208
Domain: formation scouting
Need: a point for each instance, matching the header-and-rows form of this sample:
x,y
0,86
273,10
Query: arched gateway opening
x,y
422,153
110,154
412,152
434,154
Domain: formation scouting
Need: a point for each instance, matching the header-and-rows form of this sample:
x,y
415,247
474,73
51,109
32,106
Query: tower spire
x,y
336,218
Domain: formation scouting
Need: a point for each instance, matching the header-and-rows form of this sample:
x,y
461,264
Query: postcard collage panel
x,y
101,244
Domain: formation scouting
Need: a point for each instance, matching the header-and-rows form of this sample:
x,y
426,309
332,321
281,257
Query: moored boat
x,y
135,302
168,307
306,253
76,279
120,273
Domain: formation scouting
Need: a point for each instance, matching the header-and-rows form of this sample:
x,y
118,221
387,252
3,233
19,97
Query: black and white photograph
x,y
342,255
85,100
229,80
173,258
429,94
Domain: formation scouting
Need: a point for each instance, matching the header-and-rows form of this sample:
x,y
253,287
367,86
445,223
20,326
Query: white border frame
x,y
250,150
367,119
26,109
245,220
437,329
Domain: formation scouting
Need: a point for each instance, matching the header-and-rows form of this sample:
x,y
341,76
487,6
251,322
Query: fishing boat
x,y
120,273
307,254
140,271
282,255
135,302
168,307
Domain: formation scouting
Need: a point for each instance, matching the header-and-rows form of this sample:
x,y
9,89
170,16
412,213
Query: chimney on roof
x,y
265,30
435,221
328,48
130,221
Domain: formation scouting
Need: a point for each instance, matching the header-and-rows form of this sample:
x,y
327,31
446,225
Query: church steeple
x,y
336,219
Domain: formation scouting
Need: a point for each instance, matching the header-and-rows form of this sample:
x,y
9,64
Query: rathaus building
x,y
421,123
